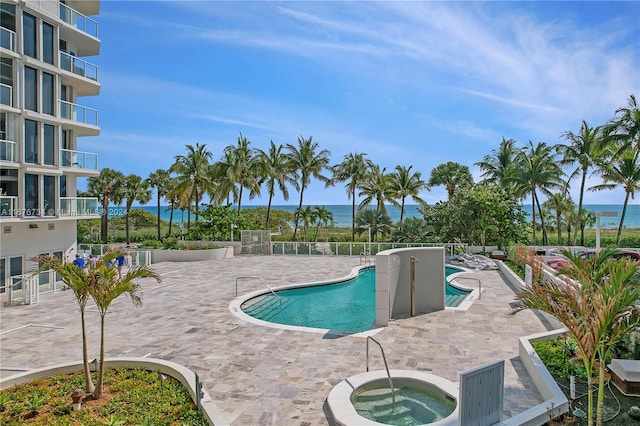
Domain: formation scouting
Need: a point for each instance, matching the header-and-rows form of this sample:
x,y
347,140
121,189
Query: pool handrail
x,y
386,366
263,283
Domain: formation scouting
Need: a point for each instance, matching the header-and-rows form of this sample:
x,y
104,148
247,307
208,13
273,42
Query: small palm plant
x,y
105,287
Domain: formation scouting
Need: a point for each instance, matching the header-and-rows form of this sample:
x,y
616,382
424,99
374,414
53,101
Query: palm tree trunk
x,y
89,388
126,226
624,212
171,217
295,228
545,239
402,209
104,223
558,217
158,214
353,214
240,200
600,408
266,223
197,202
579,219
533,215
100,383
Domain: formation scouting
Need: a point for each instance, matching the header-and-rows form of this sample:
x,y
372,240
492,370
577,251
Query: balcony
x,y
78,207
7,39
78,66
6,95
78,160
83,120
9,206
80,74
78,20
8,151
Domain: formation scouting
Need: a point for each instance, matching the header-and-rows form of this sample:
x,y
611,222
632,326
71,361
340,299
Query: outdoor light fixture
x,y
33,226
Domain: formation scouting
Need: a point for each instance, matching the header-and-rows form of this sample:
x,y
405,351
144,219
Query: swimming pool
x,y
347,306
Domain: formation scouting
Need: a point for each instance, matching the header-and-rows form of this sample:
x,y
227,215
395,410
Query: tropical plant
x,y
375,187
498,167
452,175
306,162
193,177
411,230
323,217
276,172
218,222
134,189
105,285
562,204
107,187
352,170
624,129
584,148
79,282
160,180
404,184
307,216
536,170
374,221
239,167
624,172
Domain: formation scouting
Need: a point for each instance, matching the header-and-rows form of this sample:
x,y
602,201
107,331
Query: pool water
x,y
347,306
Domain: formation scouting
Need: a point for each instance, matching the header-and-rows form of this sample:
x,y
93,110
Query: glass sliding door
x,y
49,189
31,195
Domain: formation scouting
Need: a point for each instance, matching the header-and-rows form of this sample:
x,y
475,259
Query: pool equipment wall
x,y
409,281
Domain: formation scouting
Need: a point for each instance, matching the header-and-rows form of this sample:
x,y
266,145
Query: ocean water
x,y
342,213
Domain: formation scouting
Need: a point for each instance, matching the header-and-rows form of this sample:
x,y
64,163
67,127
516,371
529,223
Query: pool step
x,y
379,404
265,307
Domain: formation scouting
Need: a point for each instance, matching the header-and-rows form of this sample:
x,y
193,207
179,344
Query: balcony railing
x,y
78,159
6,94
8,151
79,113
7,39
77,19
78,66
9,206
78,206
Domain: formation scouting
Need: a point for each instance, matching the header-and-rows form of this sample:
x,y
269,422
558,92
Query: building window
x,y
47,43
49,186
49,145
8,16
29,35
31,195
6,78
31,141
30,89
47,93
9,182
63,186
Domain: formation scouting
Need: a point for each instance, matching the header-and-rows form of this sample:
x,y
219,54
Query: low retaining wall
x,y
179,372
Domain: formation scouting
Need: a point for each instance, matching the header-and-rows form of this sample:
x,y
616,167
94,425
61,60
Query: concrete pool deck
x,y
262,375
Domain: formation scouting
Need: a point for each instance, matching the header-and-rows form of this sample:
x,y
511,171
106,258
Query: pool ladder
x,y
386,366
263,283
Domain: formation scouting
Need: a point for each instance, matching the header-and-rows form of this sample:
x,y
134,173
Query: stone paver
x,y
262,375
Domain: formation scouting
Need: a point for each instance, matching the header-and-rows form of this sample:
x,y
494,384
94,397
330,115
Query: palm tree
x,y
562,204
105,287
411,230
107,188
134,189
193,177
451,175
78,281
307,215
375,186
625,128
624,172
160,180
242,168
498,167
307,162
403,184
536,170
585,149
276,172
352,170
324,217
377,221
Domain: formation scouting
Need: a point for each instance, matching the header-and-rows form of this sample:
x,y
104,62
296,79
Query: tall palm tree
x,y
307,162
107,188
323,216
78,281
499,165
308,217
352,170
226,188
134,189
624,129
242,170
403,184
624,172
105,287
451,175
192,173
160,180
584,148
276,173
537,170
375,187
562,204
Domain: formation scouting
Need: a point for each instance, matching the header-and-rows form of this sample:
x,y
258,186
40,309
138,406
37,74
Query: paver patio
x,y
262,375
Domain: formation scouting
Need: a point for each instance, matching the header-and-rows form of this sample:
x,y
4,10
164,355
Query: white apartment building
x,y
45,74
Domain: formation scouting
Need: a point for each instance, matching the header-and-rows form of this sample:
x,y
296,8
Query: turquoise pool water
x,y
348,306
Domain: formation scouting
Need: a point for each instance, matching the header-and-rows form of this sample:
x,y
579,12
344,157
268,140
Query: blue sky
x,y
409,83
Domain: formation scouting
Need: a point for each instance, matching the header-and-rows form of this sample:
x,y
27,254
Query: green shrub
x,y
151,243
170,243
558,355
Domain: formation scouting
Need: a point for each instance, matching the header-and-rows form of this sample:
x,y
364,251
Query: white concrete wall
x,y
393,282
30,242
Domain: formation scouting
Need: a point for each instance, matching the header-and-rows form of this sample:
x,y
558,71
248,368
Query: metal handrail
x,y
263,283
474,279
384,358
